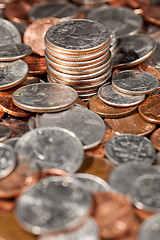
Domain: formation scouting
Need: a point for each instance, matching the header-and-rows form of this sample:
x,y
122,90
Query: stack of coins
x,y
77,54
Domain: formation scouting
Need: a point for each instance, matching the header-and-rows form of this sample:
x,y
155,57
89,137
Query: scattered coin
x,y
20,26
151,13
11,141
5,132
155,139
37,65
154,60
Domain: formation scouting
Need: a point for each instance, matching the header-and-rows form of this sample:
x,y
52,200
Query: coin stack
x,y
77,54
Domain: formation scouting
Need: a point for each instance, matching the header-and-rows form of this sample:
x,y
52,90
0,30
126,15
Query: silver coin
x,y
77,35
125,148
5,132
120,20
88,231
132,50
158,158
44,97
156,92
7,160
54,204
13,52
32,123
51,147
145,192
8,33
12,141
135,82
113,41
90,2
12,73
154,60
112,97
21,27
87,125
124,175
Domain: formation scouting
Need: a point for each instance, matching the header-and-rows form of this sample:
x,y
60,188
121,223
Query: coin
x,y
155,139
50,97
129,148
12,73
53,212
151,13
37,65
12,141
5,132
154,60
1,113
135,82
32,123
20,26
53,172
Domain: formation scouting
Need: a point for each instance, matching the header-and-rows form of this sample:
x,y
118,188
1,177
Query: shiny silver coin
x,y
5,132
51,147
54,204
145,192
154,60
8,33
88,231
12,141
124,175
92,183
12,73
135,82
112,97
125,148
113,41
79,120
77,35
120,20
44,97
7,160
132,50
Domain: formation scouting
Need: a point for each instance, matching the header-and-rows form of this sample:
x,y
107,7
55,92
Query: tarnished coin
x,y
132,50
135,82
5,132
111,96
79,120
12,141
8,33
37,65
151,12
12,73
51,147
155,139
62,204
44,97
120,20
13,52
7,160
129,148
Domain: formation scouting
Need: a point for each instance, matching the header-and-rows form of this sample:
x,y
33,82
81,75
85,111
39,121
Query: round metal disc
x,y
12,141
5,132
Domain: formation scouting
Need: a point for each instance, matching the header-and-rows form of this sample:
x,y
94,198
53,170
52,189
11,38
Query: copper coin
x,y
151,14
6,206
53,172
81,102
155,139
37,65
130,124
113,214
150,109
142,214
1,113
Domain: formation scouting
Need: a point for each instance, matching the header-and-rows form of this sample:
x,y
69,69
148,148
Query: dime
x,y
12,141
155,139
129,148
62,204
5,132
51,147
135,82
37,65
44,97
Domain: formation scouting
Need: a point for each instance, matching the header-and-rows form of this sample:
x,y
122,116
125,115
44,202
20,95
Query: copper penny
x,y
105,110
81,102
53,172
142,214
134,124
150,109
151,14
37,65
1,113
113,214
155,139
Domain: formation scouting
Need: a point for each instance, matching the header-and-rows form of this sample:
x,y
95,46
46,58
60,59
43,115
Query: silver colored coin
x,y
44,97
5,132
77,35
120,20
8,33
12,73
124,175
158,158
154,60
13,52
21,27
135,82
12,141
132,50
79,120
90,2
156,92
112,97
7,160
145,192
113,41
51,147
32,123
88,231
54,204
125,148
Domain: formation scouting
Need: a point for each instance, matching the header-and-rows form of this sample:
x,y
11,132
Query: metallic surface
x,y
37,65
5,132
155,139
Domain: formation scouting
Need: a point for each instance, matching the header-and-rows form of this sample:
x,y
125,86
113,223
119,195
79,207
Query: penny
x,y
59,198
14,52
12,73
51,147
133,123
44,97
5,132
149,109
53,172
142,215
129,148
155,139
113,213
1,113
11,141
32,79
37,65
151,14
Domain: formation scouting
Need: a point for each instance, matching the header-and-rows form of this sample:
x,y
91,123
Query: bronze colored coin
x,y
142,215
1,113
105,110
35,32
113,214
81,102
37,65
155,139
53,172
151,14
150,109
131,124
